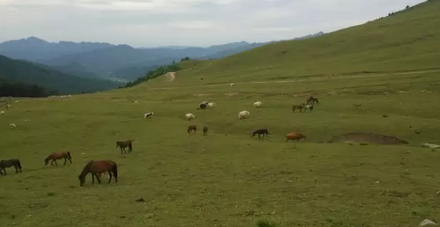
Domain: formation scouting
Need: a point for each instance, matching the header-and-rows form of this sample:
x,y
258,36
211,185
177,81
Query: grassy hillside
x,y
404,41
229,178
24,72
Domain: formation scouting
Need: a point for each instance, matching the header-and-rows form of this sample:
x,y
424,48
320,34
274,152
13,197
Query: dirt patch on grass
x,y
364,137
230,94
170,76
202,95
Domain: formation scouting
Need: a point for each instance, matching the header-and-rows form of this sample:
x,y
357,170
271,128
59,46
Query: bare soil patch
x,y
202,95
365,137
230,94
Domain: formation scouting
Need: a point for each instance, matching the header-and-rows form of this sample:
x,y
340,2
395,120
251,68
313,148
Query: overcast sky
x,y
146,23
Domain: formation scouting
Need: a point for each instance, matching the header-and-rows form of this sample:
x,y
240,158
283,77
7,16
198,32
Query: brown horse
x,y
123,144
205,130
295,136
96,168
300,107
191,129
58,155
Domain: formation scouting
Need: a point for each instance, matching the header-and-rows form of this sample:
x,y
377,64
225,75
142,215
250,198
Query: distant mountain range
x,y
121,63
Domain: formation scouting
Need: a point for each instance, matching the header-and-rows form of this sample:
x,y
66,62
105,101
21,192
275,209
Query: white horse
x,y
148,115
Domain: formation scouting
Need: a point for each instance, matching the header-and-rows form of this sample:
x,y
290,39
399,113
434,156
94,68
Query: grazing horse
x,y
191,129
260,132
308,107
312,100
9,163
58,155
123,144
300,107
96,168
295,136
205,130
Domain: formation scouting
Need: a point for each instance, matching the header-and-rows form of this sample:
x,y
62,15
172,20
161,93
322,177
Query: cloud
x,y
184,22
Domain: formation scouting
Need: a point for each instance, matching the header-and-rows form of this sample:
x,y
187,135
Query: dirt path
x,y
343,77
171,76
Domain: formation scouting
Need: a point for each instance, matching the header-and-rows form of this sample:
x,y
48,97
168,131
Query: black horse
x,y
9,163
260,132
312,100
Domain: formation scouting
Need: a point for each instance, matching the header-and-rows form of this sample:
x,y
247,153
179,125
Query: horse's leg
x,y
110,176
65,160
16,168
55,162
98,177
4,170
93,178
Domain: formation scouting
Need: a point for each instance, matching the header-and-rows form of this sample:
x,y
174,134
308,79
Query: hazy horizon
x,y
159,23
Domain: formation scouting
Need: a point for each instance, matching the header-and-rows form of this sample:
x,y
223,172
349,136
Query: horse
x,y
9,163
295,136
123,144
312,100
300,107
308,107
58,155
191,129
205,130
260,132
96,168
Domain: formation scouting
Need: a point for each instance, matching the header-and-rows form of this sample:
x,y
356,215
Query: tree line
x,y
14,89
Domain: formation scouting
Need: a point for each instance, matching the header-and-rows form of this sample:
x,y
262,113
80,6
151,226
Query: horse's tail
x,y
115,172
68,155
18,164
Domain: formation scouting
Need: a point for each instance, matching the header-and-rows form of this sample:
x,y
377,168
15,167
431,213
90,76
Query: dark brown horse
x,y
96,168
260,132
123,144
312,100
9,163
58,155
191,129
205,130
300,107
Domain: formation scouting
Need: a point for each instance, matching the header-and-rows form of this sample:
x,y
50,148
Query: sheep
x,y
8,106
189,116
148,115
294,136
232,84
257,104
211,105
2,112
13,125
243,114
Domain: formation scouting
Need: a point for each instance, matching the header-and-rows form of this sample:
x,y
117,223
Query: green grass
x,y
228,178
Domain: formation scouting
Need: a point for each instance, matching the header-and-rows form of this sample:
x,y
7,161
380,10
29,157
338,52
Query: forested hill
x,y
16,71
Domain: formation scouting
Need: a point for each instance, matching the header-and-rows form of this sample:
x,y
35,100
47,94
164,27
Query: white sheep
x,y
257,104
2,112
211,105
8,106
13,125
189,116
243,114
148,115
232,84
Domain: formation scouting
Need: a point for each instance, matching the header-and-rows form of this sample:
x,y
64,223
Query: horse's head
x,y
82,180
46,160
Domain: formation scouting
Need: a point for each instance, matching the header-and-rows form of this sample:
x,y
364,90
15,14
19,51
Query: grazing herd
x,y
97,168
